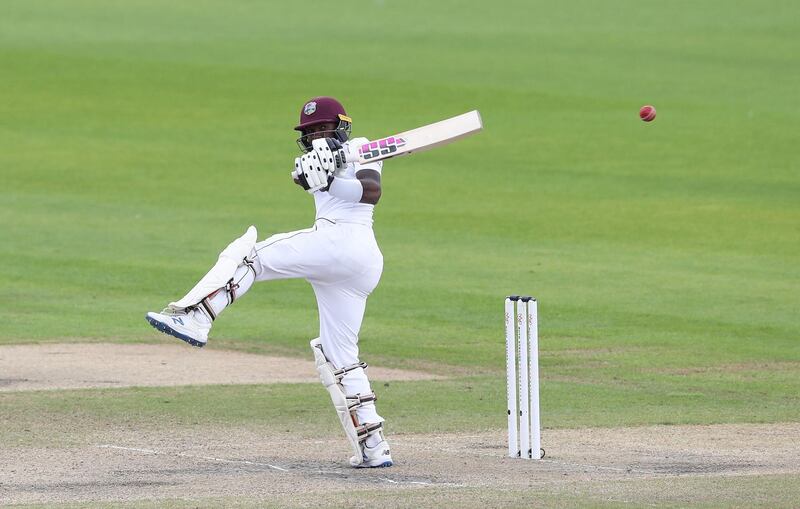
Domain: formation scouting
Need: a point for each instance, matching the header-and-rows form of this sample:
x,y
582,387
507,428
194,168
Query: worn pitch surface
x,y
87,365
643,464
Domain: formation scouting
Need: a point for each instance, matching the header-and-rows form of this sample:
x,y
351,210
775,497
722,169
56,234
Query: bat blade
x,y
417,140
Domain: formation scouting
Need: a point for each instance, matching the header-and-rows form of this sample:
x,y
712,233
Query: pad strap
x,y
213,303
353,402
206,306
341,372
231,287
366,430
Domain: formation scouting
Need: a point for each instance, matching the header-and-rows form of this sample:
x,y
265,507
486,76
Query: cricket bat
x,y
417,140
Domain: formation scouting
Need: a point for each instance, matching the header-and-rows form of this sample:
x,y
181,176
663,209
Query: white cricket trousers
x,y
343,264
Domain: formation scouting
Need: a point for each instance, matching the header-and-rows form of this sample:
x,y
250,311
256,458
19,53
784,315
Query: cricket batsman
x,y
338,256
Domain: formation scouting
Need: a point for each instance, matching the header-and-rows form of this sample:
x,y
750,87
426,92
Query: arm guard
x,y
346,189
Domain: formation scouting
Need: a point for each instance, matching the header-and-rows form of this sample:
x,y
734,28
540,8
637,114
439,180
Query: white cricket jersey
x,y
335,209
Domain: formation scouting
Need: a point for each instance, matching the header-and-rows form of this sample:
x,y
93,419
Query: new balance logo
x,y
177,320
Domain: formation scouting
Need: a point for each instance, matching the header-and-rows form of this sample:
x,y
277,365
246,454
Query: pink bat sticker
x,y
381,147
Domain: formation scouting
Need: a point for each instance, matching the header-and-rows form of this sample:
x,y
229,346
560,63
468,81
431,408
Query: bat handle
x,y
349,156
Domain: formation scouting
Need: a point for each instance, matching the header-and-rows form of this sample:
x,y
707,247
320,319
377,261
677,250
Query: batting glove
x,y
330,153
309,171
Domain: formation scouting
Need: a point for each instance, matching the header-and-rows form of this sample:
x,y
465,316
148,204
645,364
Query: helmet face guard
x,y
323,110
341,133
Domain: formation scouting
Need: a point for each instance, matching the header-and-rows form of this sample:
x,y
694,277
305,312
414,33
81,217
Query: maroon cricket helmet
x,y
320,110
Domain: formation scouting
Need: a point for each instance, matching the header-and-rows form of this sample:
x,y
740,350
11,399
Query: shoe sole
x,y
385,464
166,329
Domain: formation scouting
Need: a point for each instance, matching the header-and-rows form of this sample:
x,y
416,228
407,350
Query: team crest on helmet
x,y
310,108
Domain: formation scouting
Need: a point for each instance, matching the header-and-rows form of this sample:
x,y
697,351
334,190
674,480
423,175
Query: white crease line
x,y
598,467
392,481
223,460
473,452
146,451
245,462
409,482
184,455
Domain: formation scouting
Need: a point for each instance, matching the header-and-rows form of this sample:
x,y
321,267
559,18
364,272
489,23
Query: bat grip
x,y
349,157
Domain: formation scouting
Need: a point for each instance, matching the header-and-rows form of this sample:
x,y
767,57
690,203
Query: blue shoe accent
x,y
166,329
387,463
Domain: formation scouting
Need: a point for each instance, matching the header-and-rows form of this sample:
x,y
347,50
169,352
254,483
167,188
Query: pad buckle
x,y
341,372
366,430
356,401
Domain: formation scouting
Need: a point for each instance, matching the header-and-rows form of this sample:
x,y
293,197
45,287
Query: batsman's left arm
x,y
371,182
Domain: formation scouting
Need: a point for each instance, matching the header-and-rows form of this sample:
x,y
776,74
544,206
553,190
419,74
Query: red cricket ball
x,y
647,113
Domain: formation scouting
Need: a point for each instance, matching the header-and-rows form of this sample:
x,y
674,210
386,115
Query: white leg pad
x,y
345,405
222,272
238,285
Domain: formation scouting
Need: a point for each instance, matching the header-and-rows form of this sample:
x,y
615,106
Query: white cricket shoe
x,y
375,457
190,325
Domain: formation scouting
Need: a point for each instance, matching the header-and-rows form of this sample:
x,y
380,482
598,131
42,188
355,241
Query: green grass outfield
x,y
138,138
